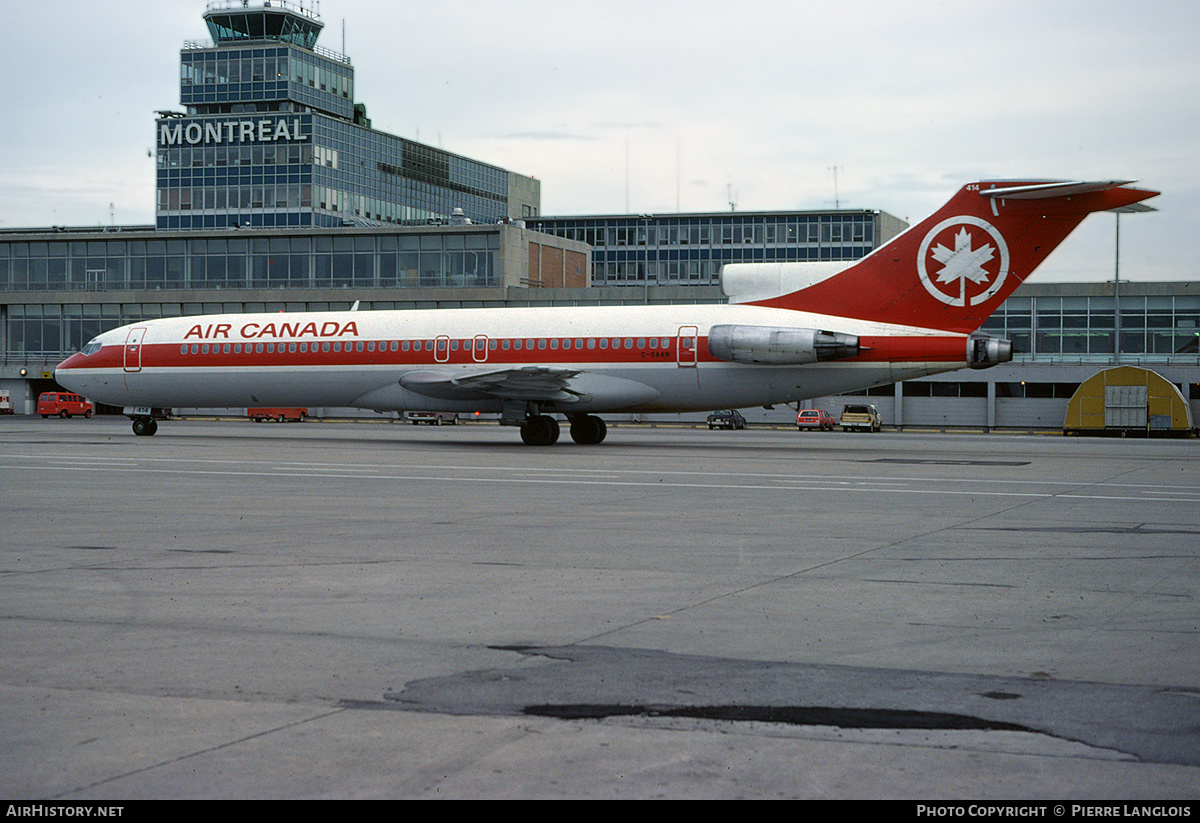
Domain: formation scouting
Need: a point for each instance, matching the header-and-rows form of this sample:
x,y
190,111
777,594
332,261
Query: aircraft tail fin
x,y
952,270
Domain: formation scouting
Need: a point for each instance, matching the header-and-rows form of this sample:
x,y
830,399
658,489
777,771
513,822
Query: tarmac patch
x,y
1147,723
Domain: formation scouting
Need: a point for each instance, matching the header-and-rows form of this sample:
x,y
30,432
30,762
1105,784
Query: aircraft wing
x,y
541,384
528,383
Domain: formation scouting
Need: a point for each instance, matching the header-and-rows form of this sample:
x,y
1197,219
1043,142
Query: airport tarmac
x,y
372,610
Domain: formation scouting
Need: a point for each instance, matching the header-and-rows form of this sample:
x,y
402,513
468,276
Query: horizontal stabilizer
x,y
1041,191
1044,191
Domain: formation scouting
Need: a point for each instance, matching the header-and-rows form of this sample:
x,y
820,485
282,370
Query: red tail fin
x,y
953,269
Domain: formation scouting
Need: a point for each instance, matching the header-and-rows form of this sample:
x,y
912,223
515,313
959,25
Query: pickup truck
x,y
860,417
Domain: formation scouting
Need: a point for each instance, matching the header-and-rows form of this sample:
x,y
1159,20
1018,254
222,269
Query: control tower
x,y
271,137
272,21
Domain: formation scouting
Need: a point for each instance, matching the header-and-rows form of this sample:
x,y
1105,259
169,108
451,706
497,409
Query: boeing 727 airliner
x,y
791,331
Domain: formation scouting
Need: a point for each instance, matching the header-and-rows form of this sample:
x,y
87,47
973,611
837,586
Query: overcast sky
x,y
672,105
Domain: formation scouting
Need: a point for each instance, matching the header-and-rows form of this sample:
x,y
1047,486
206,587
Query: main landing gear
x,y
543,430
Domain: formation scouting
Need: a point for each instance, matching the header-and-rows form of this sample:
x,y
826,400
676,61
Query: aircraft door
x,y
441,349
685,352
479,350
134,342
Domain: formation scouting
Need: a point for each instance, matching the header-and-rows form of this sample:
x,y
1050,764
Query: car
x,y
63,404
431,418
726,419
861,417
818,419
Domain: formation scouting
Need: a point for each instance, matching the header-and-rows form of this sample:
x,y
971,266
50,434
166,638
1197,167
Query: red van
x,y
63,404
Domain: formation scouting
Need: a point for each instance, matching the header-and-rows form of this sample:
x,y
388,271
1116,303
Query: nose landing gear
x,y
144,426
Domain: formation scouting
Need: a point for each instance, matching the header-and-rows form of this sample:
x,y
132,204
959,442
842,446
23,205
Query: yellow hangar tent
x,y
1128,400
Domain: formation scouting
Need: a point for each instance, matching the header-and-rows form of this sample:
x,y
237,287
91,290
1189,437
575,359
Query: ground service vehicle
x,y
279,415
818,419
5,402
63,404
861,417
912,307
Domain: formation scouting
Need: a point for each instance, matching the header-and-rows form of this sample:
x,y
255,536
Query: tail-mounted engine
x,y
768,345
984,351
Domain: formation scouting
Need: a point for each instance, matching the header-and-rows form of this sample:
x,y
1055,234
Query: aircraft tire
x,y
542,430
588,430
145,426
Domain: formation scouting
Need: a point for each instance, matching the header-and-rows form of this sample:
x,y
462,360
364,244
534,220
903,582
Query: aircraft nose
x,y
65,372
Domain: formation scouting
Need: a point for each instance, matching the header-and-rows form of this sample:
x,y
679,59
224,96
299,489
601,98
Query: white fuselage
x,y
629,358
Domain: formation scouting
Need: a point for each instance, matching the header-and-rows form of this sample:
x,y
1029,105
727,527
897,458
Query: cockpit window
x,y
92,347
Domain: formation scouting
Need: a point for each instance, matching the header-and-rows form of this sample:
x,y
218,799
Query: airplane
x,y
791,331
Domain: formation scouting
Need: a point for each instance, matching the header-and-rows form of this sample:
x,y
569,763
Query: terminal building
x,y
690,249
274,193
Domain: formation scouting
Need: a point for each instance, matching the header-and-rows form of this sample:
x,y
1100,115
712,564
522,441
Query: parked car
x,y
434,418
63,404
726,419
818,419
861,417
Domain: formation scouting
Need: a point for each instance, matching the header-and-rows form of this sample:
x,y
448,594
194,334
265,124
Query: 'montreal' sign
x,y
266,130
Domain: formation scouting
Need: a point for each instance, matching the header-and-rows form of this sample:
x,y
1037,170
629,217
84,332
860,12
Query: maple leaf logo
x,y
963,262
964,279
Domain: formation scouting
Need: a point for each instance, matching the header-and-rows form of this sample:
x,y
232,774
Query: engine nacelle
x,y
983,351
769,345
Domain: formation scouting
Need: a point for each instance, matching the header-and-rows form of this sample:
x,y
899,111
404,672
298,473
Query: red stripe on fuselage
x,y
899,349
927,349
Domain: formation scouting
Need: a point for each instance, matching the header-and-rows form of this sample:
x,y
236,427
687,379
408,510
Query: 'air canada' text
x,y
329,328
